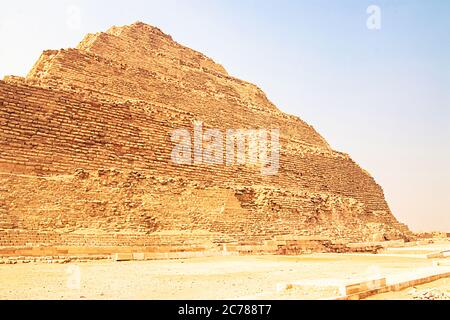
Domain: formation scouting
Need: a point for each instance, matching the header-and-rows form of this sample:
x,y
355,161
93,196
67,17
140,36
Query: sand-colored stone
x,y
85,158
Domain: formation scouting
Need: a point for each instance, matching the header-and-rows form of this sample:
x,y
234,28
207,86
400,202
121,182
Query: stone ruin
x,y
85,159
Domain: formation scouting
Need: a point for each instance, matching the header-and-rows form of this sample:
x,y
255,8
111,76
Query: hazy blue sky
x,y
383,96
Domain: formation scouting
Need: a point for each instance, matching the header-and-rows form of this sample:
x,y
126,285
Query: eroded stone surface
x,y
85,143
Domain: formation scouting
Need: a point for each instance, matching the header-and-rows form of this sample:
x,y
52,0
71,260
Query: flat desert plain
x,y
316,276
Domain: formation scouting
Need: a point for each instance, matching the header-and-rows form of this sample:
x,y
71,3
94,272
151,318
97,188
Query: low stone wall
x,y
183,247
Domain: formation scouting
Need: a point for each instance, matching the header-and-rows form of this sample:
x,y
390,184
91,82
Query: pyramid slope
x,y
86,146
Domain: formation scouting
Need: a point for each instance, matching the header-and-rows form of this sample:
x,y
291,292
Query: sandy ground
x,y
206,278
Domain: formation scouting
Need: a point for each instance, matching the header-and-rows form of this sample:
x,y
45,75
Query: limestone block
x,y
122,257
362,286
139,256
435,255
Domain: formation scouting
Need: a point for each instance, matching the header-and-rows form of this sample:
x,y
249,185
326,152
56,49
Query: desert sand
x,y
251,277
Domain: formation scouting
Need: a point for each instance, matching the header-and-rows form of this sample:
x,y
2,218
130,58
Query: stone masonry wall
x,y
86,146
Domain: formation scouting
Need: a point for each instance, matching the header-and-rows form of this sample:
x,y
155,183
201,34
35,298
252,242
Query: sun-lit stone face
x,y
86,153
142,45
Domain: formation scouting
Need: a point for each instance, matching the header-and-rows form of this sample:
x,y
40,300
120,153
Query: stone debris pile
x,y
430,294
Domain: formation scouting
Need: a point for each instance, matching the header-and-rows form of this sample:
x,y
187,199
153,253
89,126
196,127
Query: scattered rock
x,y
430,294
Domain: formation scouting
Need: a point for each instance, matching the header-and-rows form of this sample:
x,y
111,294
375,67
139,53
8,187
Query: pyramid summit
x,y
86,145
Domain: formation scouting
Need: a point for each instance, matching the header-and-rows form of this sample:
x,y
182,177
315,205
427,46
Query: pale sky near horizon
x,y
382,96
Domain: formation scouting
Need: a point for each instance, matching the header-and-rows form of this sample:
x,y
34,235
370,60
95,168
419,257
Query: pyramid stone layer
x,y
85,155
